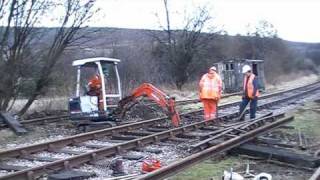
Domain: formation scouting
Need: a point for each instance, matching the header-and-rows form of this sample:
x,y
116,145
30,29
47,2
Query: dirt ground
x,y
36,134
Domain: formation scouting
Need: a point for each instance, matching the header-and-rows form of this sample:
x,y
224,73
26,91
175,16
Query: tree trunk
x,y
179,85
28,104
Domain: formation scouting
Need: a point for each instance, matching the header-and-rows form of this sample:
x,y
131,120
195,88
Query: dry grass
x,y
292,80
43,104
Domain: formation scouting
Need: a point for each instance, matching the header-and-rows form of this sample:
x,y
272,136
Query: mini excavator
x,y
107,107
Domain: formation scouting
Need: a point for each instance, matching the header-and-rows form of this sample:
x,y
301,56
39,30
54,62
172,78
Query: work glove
x,y
245,97
254,96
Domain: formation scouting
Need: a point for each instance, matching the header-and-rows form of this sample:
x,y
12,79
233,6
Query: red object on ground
x,y
149,165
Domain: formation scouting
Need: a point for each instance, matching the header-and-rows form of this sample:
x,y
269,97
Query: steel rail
x,y
240,93
237,129
109,131
92,156
315,175
40,120
207,153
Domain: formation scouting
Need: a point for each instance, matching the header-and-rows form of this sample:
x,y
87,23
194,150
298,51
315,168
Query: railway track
x,y
51,119
315,175
43,120
231,137
140,134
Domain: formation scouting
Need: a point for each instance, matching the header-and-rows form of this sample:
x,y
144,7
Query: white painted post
x,y
103,86
118,80
78,81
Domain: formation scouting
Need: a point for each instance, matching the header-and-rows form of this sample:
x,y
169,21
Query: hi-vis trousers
x,y
210,109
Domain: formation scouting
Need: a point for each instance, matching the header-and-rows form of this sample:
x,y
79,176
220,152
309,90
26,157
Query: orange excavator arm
x,y
153,93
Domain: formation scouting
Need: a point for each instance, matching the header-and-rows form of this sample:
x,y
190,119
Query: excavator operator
x,y
95,87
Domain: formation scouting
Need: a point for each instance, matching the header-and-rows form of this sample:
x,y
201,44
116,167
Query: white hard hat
x,y
213,68
246,68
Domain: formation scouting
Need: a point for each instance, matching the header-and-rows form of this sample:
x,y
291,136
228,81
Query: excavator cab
x,y
105,105
85,107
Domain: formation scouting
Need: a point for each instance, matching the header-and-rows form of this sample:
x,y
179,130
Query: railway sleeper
x,y
94,146
149,150
156,129
67,151
71,174
37,158
6,167
273,142
138,133
179,139
132,157
123,137
191,135
280,154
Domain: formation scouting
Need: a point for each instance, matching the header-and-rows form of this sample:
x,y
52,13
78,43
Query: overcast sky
x,y
295,20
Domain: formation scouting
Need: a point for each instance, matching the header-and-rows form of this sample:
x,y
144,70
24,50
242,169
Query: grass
x,y
189,107
307,119
209,169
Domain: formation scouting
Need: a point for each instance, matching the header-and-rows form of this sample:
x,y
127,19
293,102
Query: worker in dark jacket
x,y
250,92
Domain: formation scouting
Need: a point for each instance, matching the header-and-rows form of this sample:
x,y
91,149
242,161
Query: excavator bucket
x,y
153,93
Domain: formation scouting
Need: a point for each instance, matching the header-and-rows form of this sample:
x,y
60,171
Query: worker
x,y
250,92
210,88
95,89
94,85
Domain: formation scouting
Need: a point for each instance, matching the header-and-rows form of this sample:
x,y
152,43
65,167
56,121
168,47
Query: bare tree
x,y
260,38
18,18
76,13
182,45
29,54
263,43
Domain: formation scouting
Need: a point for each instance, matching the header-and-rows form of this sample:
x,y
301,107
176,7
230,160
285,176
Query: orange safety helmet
x,y
149,165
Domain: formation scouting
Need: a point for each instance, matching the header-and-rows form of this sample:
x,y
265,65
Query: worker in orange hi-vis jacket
x,y
210,88
95,88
